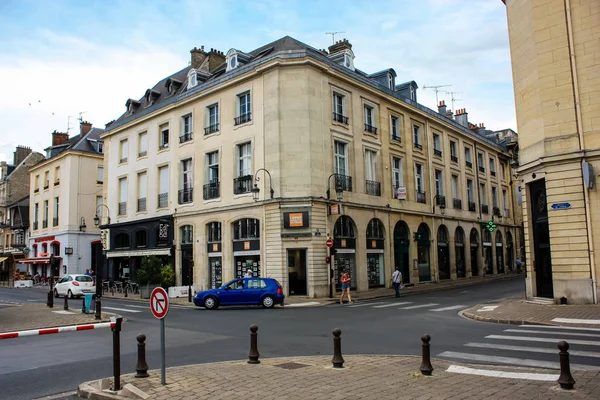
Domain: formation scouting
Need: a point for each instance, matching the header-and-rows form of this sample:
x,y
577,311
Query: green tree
x,y
167,276
150,271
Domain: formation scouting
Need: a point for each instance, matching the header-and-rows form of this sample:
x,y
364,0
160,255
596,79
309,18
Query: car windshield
x,y
83,278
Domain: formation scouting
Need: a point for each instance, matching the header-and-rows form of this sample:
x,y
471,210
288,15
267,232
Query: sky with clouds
x,y
64,57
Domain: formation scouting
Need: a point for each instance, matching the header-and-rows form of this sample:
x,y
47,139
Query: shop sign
x,y
105,239
44,239
246,245
342,243
68,250
215,247
335,209
401,193
373,244
293,220
487,244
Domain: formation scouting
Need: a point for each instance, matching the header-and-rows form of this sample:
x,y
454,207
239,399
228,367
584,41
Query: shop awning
x,y
139,253
3,258
45,260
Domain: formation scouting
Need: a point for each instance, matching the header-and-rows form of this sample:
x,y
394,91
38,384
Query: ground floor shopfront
x,y
287,241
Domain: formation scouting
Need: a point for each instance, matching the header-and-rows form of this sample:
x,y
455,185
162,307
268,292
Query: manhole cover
x,y
291,365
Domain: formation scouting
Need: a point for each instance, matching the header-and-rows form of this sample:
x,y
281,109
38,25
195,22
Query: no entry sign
x,y
159,302
329,243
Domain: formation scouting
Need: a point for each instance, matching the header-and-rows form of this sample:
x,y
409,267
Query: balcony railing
x,y
186,137
163,200
340,118
370,129
44,224
242,184
36,190
440,201
55,221
123,160
211,129
35,225
496,211
437,152
454,159
395,138
185,195
457,203
46,185
141,204
418,146
493,173
472,206
482,169
57,182
343,182
243,118
484,208
374,188
123,208
469,164
211,191
421,197
142,153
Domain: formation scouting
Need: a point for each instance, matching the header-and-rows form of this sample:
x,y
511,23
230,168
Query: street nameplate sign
x,y
561,206
329,242
159,302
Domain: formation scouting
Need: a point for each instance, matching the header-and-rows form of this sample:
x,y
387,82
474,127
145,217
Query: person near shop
x,y
248,274
397,281
345,287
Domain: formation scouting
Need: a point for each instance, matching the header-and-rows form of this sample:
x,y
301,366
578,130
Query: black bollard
x,y
253,355
98,314
565,380
83,305
117,354
426,368
66,306
50,300
337,360
141,368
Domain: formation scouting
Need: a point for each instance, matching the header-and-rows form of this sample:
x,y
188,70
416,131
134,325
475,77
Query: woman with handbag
x,y
345,287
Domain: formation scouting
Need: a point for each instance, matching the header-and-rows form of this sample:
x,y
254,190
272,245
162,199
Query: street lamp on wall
x,y
97,218
442,203
82,224
339,190
256,190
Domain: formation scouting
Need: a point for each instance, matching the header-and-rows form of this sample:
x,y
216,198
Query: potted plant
x,y
149,275
167,277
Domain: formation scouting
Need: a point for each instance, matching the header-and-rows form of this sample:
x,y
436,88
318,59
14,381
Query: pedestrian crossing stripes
x,y
533,346
419,306
448,308
121,309
407,306
393,304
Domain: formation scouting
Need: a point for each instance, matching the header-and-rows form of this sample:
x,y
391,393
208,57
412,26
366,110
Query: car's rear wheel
x,y
55,293
211,303
70,294
268,302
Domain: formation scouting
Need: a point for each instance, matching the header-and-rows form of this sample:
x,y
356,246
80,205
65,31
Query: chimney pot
x,y
59,138
84,127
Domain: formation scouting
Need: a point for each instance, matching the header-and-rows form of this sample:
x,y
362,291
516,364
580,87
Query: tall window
x,y
56,176
419,178
453,151
36,211
439,183
143,144
492,166
163,140
368,118
45,220
56,204
213,119
186,174
163,187
100,177
481,162
397,179
341,158
46,179
187,236
122,196
437,145
244,164
482,193
468,159
371,165
470,192
338,107
503,170
214,231
244,108
186,128
494,196
418,143
142,191
395,128
212,167
505,202
124,151
36,185
454,183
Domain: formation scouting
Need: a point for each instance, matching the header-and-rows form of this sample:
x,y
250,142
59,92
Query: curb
x,y
475,317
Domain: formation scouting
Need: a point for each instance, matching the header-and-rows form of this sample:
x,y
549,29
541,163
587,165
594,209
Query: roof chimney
x,y
340,45
215,59
449,114
20,153
442,108
461,117
481,129
59,138
84,127
108,124
198,57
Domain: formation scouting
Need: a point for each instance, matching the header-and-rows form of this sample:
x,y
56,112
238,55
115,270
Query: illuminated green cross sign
x,y
491,226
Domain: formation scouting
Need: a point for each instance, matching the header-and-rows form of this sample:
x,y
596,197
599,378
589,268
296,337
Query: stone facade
x,y
555,50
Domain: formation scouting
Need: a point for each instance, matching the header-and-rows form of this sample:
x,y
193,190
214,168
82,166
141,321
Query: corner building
x,y
348,155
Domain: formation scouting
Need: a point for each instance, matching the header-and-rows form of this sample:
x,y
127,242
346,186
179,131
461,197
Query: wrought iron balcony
x,y
395,138
211,129
141,204
370,129
457,203
437,152
482,169
163,200
35,225
242,184
186,137
496,211
493,173
484,208
343,182
374,188
418,146
472,206
36,190
55,221
123,160
440,201
242,119
57,182
454,159
469,164
186,195
46,185
421,197
340,118
44,224
211,191
123,208
142,153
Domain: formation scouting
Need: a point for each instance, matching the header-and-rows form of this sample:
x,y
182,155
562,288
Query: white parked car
x,y
74,285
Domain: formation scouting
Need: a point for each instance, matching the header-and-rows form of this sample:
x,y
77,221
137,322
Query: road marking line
x,y
120,309
449,308
58,396
306,304
531,349
393,304
552,333
503,374
419,306
364,305
144,307
571,328
514,361
577,321
544,340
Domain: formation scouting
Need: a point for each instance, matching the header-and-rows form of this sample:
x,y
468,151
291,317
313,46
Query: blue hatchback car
x,y
243,291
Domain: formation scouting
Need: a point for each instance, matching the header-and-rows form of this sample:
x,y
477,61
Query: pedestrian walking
x,y
345,287
518,264
397,281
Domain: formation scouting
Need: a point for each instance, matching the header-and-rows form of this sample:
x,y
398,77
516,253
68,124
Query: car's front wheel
x,y
71,294
268,302
211,303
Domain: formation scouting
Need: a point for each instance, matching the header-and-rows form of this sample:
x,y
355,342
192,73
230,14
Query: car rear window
x,y
83,278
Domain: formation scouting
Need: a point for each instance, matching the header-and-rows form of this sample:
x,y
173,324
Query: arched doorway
x,y
474,239
345,243
215,254
459,250
187,255
401,249
488,257
246,247
510,262
499,253
443,252
423,243
375,249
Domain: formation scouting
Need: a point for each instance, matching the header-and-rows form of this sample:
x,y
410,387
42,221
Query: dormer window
x,y
231,59
132,105
349,59
412,93
391,82
151,96
192,78
172,85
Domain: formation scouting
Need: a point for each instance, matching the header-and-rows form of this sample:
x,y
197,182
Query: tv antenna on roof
x,y
333,35
453,97
436,89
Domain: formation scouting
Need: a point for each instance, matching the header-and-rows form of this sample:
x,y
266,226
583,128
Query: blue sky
x,y
66,57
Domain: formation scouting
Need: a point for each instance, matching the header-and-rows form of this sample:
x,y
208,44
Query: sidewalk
x,y
363,377
523,312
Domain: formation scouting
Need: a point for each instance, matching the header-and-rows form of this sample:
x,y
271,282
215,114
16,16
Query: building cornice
x,y
64,155
562,158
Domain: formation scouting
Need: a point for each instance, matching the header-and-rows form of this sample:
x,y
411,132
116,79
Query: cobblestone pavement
x,y
364,377
521,312
21,317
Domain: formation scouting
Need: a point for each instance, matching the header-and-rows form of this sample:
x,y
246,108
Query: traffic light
x,y
327,260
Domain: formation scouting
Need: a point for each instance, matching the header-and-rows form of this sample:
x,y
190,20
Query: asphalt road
x,y
32,367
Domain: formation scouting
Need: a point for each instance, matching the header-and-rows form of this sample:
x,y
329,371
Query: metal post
x,y
117,354
83,305
565,380
253,355
50,300
141,368
66,306
330,275
163,380
426,368
337,360
190,280
98,314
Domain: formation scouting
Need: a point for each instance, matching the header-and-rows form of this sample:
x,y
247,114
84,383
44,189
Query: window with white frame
x,y
494,196
56,208
439,183
419,178
371,165
186,128
437,145
244,164
100,146
192,78
163,140
395,128
46,179
468,159
36,185
124,151
470,192
142,190
481,162
417,140
244,107
100,176
212,167
187,180
453,151
212,114
163,186
45,219
56,176
339,114
492,166
397,178
368,110
122,207
143,144
391,81
341,158
454,184
505,202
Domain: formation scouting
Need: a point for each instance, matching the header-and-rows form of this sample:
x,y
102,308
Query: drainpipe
x,y
588,219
